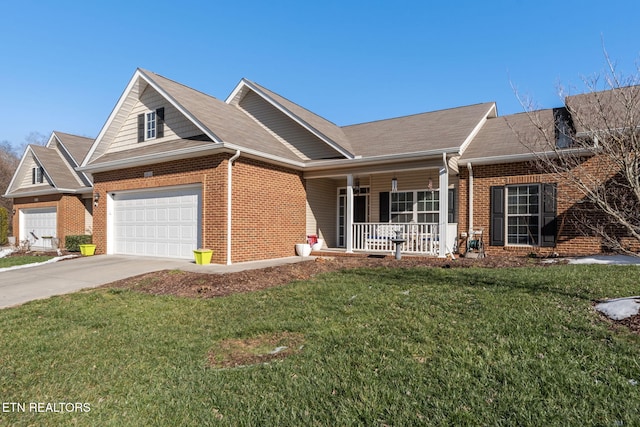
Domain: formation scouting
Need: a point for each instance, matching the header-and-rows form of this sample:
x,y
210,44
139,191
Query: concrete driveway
x,y
71,275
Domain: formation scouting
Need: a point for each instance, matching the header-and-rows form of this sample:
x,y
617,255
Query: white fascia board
x,y
374,160
112,116
513,158
477,128
43,192
15,174
51,139
295,118
180,108
150,159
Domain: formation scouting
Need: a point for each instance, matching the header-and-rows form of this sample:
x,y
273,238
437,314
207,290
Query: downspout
x,y
229,197
470,189
444,207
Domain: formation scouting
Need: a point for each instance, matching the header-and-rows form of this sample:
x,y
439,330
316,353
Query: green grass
x,y
12,261
381,347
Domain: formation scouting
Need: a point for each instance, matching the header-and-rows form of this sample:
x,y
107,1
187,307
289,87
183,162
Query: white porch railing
x,y
377,237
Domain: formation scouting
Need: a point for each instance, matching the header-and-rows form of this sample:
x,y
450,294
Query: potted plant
x,y
87,249
202,256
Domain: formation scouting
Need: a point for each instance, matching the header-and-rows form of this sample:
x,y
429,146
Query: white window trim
x,y
150,125
508,215
414,212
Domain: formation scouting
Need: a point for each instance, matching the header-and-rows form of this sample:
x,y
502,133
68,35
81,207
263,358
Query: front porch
x,y
363,211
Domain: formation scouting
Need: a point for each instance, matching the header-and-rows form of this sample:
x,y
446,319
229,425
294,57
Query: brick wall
x,y
569,241
268,203
70,216
269,211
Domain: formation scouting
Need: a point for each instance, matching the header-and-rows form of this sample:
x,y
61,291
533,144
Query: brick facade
x,y
569,240
70,208
268,203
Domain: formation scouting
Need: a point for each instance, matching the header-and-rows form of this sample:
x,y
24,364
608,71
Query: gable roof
x,y
58,159
327,131
231,125
224,125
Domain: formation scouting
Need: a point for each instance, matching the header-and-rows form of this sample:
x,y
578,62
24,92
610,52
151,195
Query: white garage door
x,y
162,223
37,224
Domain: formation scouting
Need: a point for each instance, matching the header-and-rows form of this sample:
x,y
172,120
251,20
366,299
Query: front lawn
x,y
374,347
12,261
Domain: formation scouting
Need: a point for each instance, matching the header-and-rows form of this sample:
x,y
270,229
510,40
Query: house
x,y
51,199
249,177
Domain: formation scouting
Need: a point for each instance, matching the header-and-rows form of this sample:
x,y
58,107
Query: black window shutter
x,y
497,216
160,122
451,206
549,213
141,127
384,206
33,175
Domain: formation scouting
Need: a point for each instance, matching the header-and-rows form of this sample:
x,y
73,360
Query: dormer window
x,y
151,125
37,175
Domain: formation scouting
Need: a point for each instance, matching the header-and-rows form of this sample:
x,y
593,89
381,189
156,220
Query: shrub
x,y
72,243
4,225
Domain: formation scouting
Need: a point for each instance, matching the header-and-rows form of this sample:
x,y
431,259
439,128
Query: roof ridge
x,y
419,114
147,72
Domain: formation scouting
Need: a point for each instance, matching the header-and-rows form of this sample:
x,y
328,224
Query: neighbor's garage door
x,y
39,223
161,223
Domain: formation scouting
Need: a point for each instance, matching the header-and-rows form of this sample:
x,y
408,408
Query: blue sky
x,y
64,64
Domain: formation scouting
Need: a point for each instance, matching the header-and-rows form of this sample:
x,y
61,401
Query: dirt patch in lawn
x,y
233,353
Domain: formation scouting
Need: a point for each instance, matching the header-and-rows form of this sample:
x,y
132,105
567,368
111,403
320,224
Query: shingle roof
x,y
78,146
511,135
56,167
437,130
226,122
605,110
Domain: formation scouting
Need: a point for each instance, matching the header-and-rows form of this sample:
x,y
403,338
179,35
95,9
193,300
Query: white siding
x,y
322,209
298,139
176,125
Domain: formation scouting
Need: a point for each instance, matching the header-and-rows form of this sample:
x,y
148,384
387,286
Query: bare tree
x,y
592,147
8,163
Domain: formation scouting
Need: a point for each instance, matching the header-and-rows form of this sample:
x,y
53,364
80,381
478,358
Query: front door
x,y
360,210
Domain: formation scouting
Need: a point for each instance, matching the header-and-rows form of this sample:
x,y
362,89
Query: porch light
x,y
394,184
96,198
356,187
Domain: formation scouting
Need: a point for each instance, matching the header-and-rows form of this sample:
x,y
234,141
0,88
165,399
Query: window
x,y
151,125
37,175
523,215
417,206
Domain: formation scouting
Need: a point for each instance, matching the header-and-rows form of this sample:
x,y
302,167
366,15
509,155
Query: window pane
x,y
523,207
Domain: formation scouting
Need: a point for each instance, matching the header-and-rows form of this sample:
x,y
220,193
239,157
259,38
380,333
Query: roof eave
x,y
317,165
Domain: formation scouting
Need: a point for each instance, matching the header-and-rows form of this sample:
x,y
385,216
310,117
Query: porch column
x,y
444,207
348,216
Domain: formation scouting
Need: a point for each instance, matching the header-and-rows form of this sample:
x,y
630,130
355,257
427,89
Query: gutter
x,y
229,199
510,158
47,192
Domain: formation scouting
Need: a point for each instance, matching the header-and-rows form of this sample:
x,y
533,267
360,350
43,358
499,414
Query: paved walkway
x,y
66,276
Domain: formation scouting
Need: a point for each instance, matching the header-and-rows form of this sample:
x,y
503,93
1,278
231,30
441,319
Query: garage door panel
x,y
158,223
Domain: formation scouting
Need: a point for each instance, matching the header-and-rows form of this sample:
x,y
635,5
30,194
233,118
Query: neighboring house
x,y
249,177
51,200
